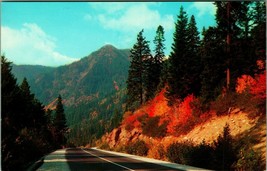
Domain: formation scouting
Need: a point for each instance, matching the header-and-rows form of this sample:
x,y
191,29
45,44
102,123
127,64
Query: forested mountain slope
x,y
92,89
96,73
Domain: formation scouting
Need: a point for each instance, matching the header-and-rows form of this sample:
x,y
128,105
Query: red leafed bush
x,y
171,127
181,114
133,121
158,106
258,89
244,83
151,110
185,110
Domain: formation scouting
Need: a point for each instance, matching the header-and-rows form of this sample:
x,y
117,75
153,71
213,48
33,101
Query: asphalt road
x,y
77,159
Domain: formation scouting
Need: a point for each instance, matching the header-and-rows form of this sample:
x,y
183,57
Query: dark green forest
x,y
205,66
28,131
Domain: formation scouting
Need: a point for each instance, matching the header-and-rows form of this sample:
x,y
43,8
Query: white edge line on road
x,y
107,160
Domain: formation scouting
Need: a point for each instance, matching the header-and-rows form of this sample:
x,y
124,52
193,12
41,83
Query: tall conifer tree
x,y
192,62
234,22
22,119
34,111
214,67
10,114
159,55
176,80
140,55
60,122
258,32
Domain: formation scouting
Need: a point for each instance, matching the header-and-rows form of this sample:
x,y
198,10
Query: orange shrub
x,y
181,114
244,83
171,127
132,121
185,110
258,88
159,105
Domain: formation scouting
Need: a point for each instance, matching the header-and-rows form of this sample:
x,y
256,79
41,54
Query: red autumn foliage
x,y
244,83
181,114
151,110
158,105
185,110
258,89
256,86
171,127
132,121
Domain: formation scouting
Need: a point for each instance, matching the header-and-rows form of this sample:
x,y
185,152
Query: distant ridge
x,y
82,79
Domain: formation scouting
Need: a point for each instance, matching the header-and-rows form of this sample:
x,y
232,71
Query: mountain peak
x,y
108,47
107,51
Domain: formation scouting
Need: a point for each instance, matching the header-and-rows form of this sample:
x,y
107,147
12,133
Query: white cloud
x,y
131,16
31,45
203,8
88,17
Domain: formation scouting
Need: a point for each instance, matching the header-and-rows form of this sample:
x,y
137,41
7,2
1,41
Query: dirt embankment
x,y
241,126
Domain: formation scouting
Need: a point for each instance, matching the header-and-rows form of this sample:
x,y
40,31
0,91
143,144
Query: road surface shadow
x,y
36,165
78,160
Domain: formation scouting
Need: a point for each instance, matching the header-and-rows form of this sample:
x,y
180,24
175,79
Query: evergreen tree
x,y
10,104
164,74
159,46
22,119
28,98
25,88
60,123
193,64
34,110
235,23
140,57
158,58
149,79
177,59
184,59
258,32
214,67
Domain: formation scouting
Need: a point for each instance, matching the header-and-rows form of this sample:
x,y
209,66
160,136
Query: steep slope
x,y
158,126
93,91
93,75
241,126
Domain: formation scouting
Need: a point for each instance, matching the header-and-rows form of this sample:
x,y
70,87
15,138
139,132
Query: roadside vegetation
x,y
28,130
219,75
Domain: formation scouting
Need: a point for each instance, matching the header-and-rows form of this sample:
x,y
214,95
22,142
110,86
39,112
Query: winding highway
x,y
78,159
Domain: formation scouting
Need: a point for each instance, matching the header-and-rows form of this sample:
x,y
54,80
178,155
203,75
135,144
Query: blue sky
x,y
58,33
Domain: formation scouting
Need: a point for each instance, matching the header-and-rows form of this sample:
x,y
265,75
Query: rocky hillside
x,y
239,122
155,126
